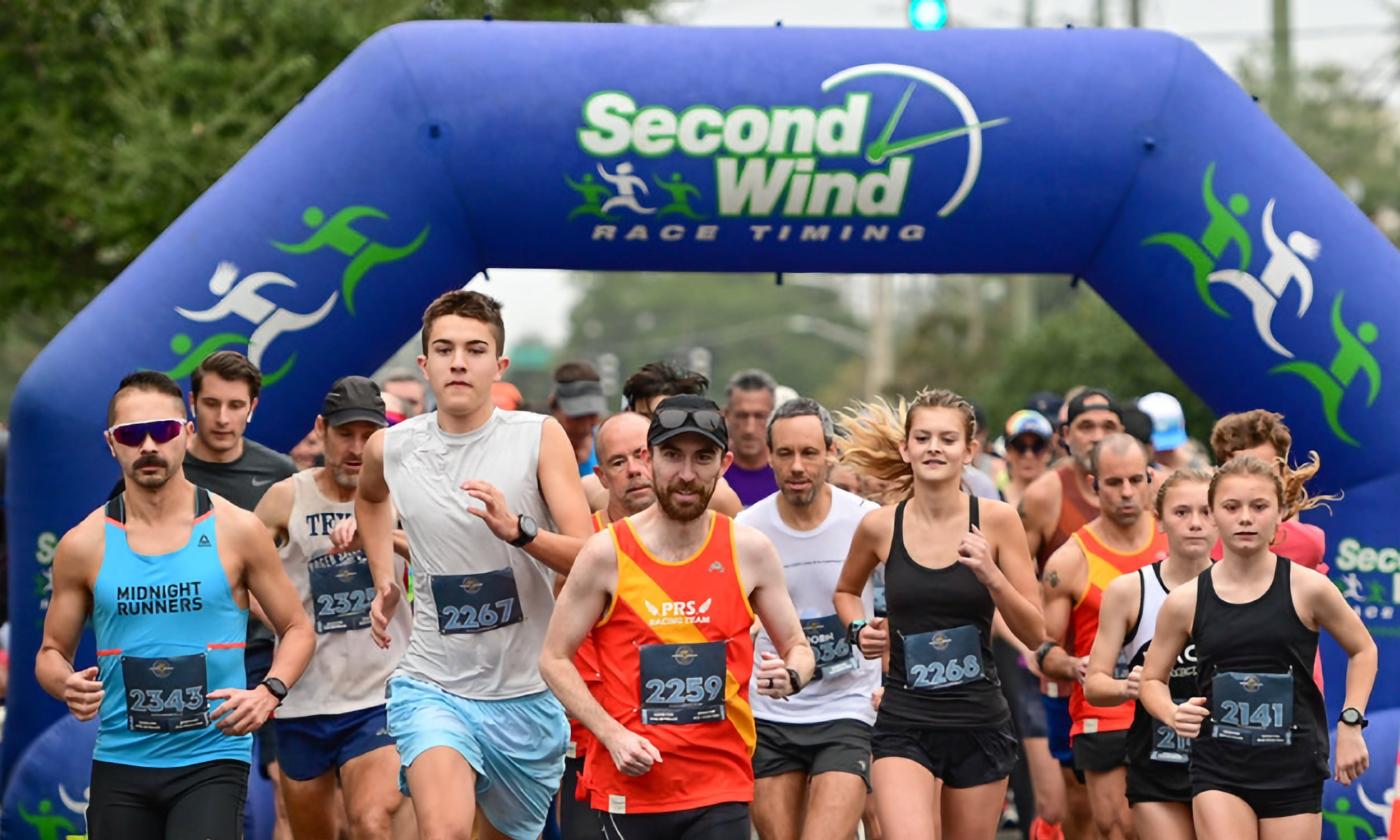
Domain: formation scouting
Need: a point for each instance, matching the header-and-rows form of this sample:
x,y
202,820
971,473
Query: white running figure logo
x,y
1285,266
624,181
246,301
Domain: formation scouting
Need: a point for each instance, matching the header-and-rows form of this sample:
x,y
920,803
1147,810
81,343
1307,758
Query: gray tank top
x,y
348,670
480,605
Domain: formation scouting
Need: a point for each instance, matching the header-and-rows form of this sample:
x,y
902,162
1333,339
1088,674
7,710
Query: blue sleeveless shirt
x,y
168,632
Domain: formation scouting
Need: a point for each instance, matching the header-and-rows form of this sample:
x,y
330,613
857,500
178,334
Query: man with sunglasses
x,y
332,724
643,391
669,596
164,572
1028,439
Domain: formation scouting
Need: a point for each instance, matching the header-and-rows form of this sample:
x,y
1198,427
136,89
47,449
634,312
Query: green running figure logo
x,y
1287,265
340,236
48,825
1346,824
244,299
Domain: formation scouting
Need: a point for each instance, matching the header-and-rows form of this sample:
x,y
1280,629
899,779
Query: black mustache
x,y
149,461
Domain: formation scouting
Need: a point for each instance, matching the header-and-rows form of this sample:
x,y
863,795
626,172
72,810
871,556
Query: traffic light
x,y
928,14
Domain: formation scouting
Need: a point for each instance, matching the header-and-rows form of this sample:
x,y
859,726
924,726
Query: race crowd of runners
x,y
693,619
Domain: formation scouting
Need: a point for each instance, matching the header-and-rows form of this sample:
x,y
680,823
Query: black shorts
x,y
1271,804
841,746
725,821
257,661
1154,781
200,800
1100,752
576,819
962,758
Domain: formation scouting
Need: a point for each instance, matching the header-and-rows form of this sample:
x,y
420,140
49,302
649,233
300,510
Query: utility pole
x,y
1100,13
879,359
1028,15
1022,302
1135,13
1282,100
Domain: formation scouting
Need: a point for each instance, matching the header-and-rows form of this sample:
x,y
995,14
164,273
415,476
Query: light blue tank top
x,y
168,632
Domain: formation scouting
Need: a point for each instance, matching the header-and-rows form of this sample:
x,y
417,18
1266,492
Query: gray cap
x,y
354,398
581,398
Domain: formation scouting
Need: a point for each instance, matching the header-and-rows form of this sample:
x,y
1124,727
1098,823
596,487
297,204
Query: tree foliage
x,y
115,116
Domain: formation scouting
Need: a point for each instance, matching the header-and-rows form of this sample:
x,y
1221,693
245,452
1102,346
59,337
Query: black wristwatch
x,y
1043,651
276,688
1352,717
853,631
796,683
528,531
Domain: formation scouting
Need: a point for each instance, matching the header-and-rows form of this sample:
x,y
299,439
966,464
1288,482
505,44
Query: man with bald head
x,y
624,468
1120,540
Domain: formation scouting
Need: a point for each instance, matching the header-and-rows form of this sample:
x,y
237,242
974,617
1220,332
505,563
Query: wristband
x,y
796,683
1042,651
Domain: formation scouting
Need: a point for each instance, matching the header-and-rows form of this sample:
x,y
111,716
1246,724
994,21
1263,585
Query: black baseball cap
x,y
1077,406
1047,403
688,414
354,398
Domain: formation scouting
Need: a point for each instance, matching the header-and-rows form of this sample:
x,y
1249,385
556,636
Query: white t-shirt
x,y
812,562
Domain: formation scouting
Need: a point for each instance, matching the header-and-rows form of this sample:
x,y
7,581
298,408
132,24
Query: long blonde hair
x,y
872,433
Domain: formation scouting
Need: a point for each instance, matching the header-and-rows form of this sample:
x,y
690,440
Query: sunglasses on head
x,y
705,418
134,434
1021,446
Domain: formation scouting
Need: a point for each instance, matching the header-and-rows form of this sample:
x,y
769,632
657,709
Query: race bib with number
x,y
942,659
166,694
476,603
341,592
682,683
1252,709
1167,746
827,637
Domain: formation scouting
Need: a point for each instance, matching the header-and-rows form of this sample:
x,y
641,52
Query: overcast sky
x,y
1357,33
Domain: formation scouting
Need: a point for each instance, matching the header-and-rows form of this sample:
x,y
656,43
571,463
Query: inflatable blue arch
x,y
436,150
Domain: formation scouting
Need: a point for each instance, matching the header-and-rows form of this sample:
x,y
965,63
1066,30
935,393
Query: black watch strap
x,y
796,683
276,688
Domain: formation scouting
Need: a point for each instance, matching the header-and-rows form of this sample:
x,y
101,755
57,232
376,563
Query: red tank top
x,y
1104,564
666,614
1075,513
586,661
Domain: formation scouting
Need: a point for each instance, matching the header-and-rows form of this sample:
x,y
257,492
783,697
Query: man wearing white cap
x,y
1168,430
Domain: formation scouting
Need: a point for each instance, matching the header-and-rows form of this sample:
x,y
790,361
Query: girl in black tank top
x,y
1258,722
943,714
954,680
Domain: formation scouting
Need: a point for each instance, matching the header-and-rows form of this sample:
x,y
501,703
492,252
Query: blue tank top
x,y
168,632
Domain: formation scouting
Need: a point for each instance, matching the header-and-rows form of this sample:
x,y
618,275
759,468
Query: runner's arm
x,y
1061,580
862,558
1014,592
1100,687
273,510
374,516
69,605
581,603
563,495
1169,639
267,580
1038,510
1331,612
768,593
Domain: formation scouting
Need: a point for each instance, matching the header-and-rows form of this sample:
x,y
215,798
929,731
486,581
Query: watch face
x,y
528,528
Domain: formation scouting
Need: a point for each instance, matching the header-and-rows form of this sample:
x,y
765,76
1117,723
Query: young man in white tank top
x,y
812,760
332,724
493,509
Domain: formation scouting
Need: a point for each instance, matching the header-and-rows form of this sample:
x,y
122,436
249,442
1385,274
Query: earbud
x,y
1096,484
